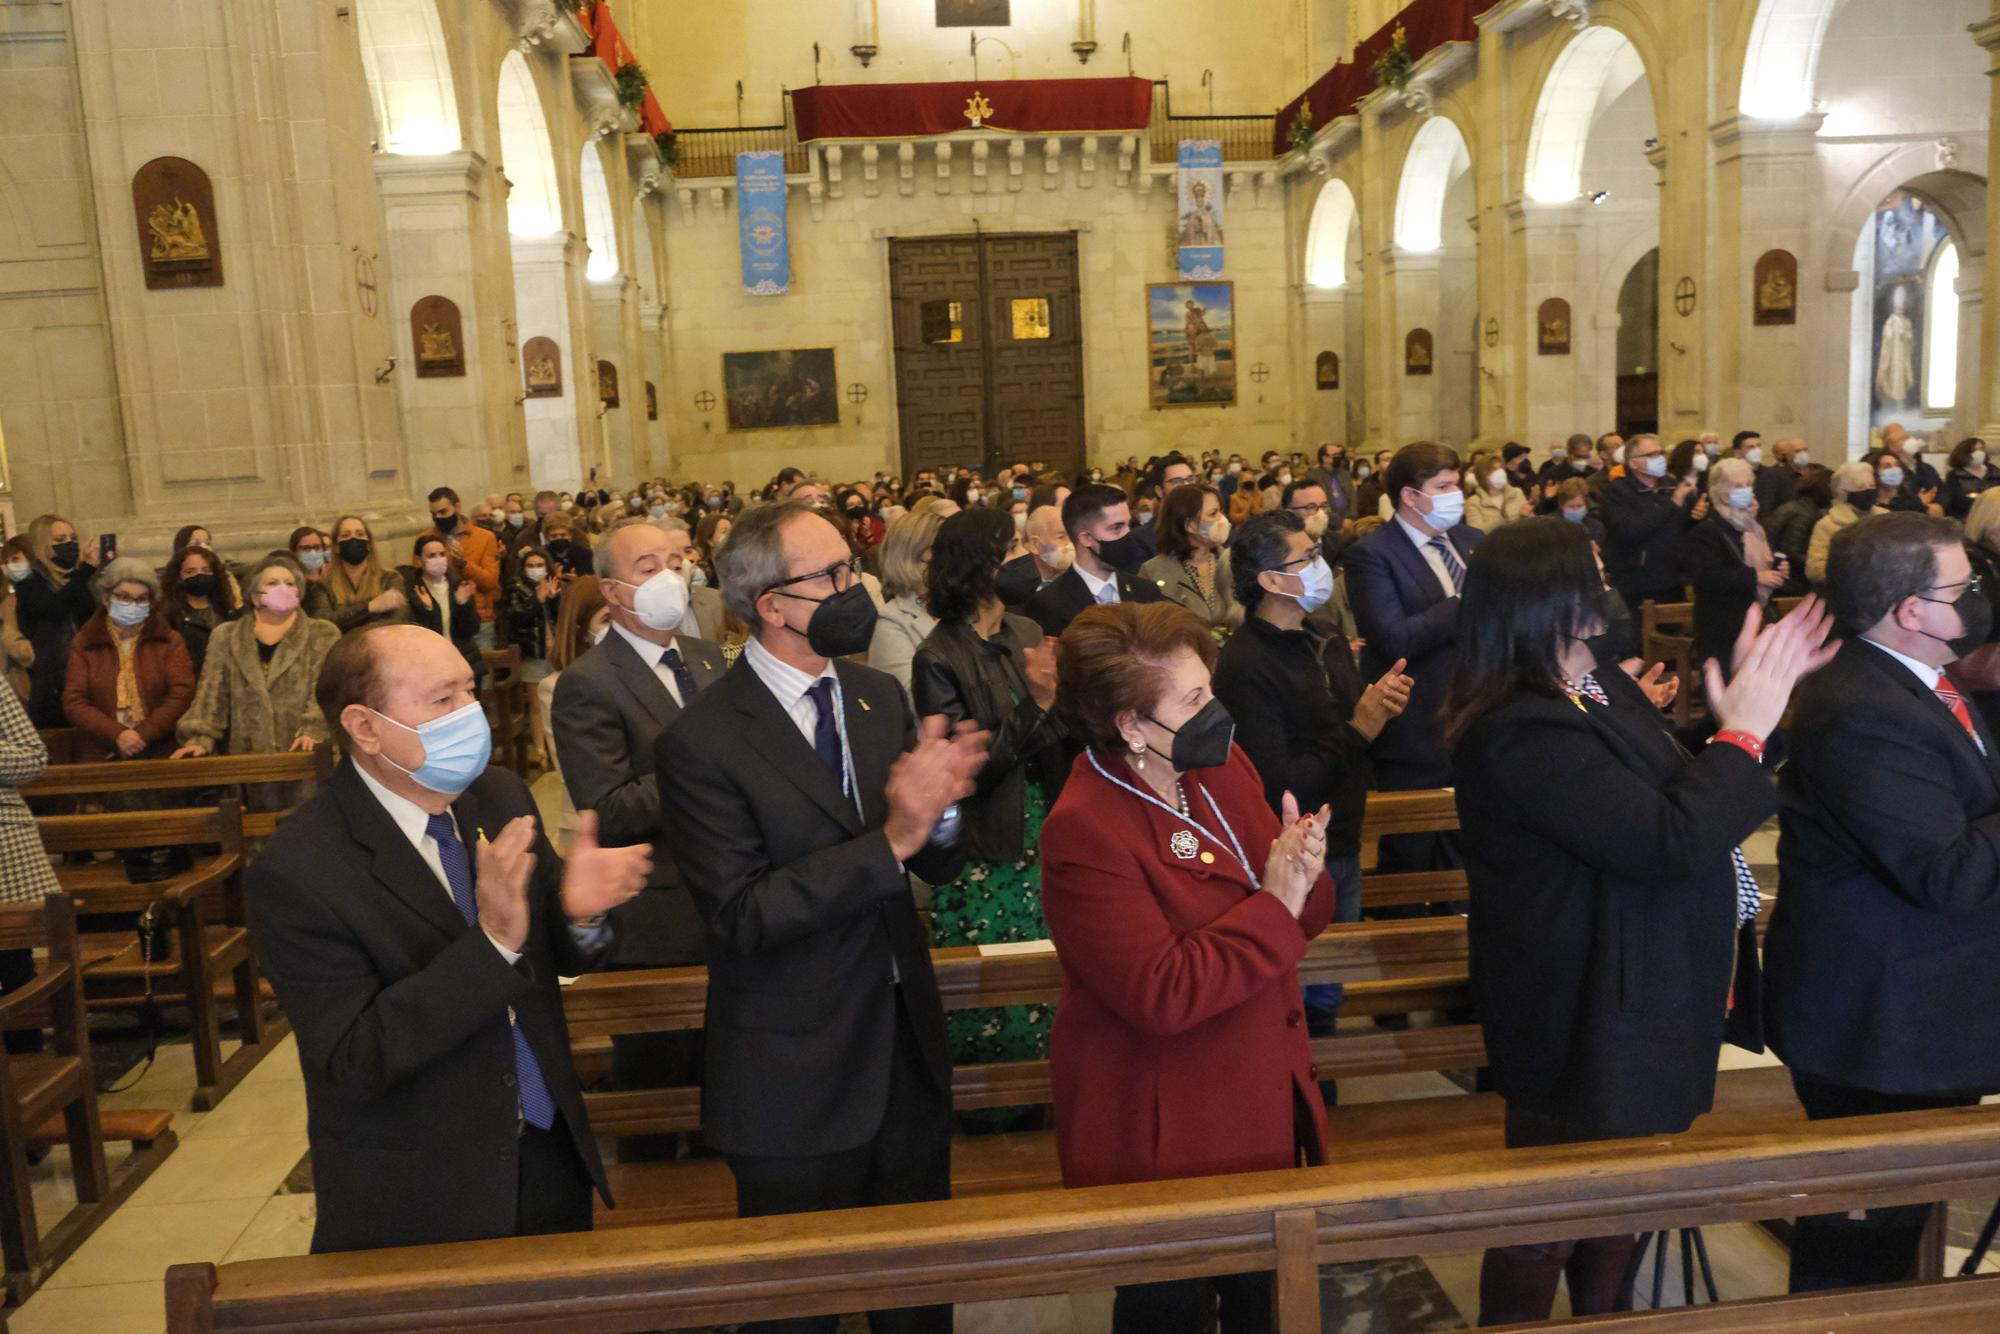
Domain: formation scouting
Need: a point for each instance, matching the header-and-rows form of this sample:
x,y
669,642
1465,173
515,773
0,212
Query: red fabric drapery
x,y
653,120
607,43
1033,106
1429,23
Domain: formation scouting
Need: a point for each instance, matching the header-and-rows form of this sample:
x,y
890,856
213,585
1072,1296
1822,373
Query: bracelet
x,y
1743,741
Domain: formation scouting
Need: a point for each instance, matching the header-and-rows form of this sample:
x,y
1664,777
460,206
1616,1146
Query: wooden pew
x,y
1424,812
1747,1161
204,915
1403,967
58,1083
1965,1306
504,695
1666,634
233,772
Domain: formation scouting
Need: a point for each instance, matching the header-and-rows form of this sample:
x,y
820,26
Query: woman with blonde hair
x,y
51,604
358,588
904,620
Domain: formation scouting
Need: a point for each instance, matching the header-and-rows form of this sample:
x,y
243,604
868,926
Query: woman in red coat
x,y
1180,907
130,678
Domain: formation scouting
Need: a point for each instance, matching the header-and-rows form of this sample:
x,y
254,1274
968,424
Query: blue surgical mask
x,y
1575,516
456,749
1317,581
313,561
1890,477
1447,511
1654,465
128,614
1742,498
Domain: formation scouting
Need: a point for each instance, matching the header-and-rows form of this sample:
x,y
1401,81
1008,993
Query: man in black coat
x,y
1049,555
414,920
1098,520
1645,516
1880,984
802,794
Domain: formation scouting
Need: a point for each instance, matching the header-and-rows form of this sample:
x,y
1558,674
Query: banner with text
x,y
760,212
1201,208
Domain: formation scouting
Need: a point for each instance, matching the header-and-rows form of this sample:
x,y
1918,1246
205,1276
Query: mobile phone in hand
x,y
107,547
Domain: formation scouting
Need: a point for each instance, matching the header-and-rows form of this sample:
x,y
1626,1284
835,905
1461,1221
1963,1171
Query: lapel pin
x,y
864,706
1183,844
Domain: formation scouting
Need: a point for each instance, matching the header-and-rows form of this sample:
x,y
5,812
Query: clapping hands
x,y
938,771
1769,661
1297,857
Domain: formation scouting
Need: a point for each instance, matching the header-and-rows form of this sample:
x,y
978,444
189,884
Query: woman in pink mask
x,y
255,695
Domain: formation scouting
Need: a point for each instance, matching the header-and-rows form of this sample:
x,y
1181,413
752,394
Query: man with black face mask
x,y
1098,520
795,791
1880,984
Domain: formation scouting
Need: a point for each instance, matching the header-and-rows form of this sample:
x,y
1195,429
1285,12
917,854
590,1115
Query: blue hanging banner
x,y
760,212
1200,217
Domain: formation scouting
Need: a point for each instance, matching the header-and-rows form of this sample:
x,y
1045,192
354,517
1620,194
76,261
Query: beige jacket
x,y
1840,516
241,708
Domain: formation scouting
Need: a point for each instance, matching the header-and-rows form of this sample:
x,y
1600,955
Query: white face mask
x,y
1317,525
1753,456
1496,479
17,570
661,602
1978,456
1059,558
1618,454
1218,529
1701,463
536,573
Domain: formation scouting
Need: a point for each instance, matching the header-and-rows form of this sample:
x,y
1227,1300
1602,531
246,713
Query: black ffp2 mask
x,y
843,624
64,555
354,550
1203,741
1120,553
1975,617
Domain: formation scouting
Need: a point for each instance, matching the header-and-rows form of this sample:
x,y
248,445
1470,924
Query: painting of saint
x,y
1199,225
1192,344
770,390
1896,356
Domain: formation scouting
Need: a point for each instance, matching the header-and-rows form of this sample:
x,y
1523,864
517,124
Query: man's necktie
x,y
1107,595
826,731
1954,701
537,1107
682,676
1453,566
1749,899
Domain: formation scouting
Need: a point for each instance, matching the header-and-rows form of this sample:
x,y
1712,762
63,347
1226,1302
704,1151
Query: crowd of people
x,y
1136,712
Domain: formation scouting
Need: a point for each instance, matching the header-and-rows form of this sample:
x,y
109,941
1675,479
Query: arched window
x,y
1941,331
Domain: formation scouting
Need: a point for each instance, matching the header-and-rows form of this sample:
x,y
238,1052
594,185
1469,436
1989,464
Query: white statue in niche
x,y
1895,366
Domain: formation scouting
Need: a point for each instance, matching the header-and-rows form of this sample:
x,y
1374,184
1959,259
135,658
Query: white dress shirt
x,y
1430,554
1098,586
653,655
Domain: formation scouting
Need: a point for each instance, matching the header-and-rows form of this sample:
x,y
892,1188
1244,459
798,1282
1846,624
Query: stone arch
x,y
600,226
1781,61
1596,67
534,202
410,83
1329,234
1436,156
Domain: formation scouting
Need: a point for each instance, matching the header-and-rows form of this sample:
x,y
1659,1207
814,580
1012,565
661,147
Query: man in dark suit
x,y
1403,582
414,920
611,705
1166,475
1646,517
1049,555
1880,985
1098,520
801,790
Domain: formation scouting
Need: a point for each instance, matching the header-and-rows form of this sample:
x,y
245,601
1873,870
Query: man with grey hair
x,y
803,793
1879,986
1049,554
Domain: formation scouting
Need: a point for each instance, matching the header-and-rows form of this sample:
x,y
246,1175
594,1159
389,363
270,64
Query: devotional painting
x,y
175,208
776,389
1191,349
1908,233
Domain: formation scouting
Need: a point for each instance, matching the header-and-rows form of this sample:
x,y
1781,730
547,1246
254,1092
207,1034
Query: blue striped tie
x,y
537,1107
1452,565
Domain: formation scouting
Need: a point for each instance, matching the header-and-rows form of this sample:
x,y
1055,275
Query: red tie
x,y
1947,692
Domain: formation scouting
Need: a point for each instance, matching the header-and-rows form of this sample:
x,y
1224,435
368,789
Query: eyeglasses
x,y
840,576
1306,511
1973,585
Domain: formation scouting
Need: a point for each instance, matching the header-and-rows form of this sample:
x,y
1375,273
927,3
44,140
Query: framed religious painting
x,y
541,367
1418,353
973,13
1191,344
1326,370
1552,328
607,384
437,332
1776,280
780,388
179,242
652,402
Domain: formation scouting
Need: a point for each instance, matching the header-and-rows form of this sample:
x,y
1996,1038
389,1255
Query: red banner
x,y
651,119
606,42
1429,25
1028,106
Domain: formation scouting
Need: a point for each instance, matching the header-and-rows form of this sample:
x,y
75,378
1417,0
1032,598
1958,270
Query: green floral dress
x,y
991,903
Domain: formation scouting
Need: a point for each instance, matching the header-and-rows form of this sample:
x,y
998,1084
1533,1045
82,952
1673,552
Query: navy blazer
x,y
1880,957
1402,611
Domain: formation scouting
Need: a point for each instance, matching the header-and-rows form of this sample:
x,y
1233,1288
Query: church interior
x,y
265,264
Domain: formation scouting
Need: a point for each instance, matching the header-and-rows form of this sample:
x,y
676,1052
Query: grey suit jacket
x,y
610,708
706,603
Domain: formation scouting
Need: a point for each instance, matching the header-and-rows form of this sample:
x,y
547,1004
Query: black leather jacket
x,y
960,675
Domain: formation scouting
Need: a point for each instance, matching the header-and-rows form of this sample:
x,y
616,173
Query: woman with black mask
x,y
1854,493
51,605
982,664
1606,952
360,589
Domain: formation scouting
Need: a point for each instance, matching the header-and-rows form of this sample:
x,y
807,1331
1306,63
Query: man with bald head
x,y
414,920
1049,554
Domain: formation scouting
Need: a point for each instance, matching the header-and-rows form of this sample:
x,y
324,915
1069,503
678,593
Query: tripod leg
x,y
1659,1269
1983,1245
1707,1274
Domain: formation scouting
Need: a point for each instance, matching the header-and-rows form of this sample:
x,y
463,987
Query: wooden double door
x,y
989,350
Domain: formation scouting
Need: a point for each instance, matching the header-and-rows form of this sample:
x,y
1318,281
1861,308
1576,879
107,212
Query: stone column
x,y
1412,283
269,399
1376,200
541,307
1985,392
655,457
1323,325
1562,393
613,426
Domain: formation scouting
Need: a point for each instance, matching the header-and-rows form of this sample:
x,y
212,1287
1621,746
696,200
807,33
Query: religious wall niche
x,y
607,384
1776,288
541,367
438,334
652,402
1552,328
1419,353
973,13
174,205
1326,370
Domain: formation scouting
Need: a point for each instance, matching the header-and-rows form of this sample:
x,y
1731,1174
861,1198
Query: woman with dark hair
x,y
709,535
1180,905
440,599
981,664
311,549
853,505
1969,476
1613,914
1192,567
197,594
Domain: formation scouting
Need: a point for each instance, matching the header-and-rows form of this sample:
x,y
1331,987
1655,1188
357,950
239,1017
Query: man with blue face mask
x,y
1301,713
414,921
1646,516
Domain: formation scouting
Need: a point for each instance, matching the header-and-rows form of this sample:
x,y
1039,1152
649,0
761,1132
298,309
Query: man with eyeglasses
x,y
797,793
1880,982
1166,474
1646,517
